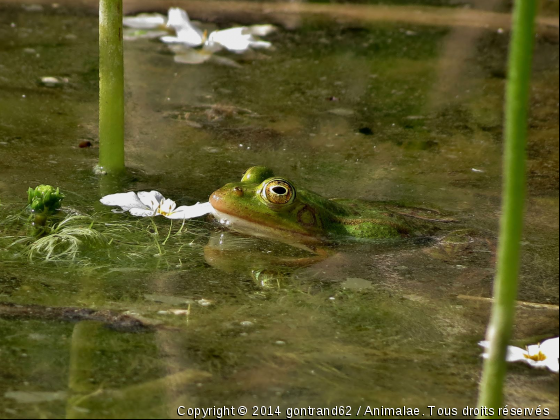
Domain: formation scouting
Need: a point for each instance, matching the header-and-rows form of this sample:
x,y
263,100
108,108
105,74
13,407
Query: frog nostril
x,y
238,191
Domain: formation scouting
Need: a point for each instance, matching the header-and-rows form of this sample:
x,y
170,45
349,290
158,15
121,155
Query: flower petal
x,y
166,207
170,39
515,354
126,201
485,344
144,21
552,364
151,199
262,30
189,212
550,348
233,39
178,18
187,33
143,212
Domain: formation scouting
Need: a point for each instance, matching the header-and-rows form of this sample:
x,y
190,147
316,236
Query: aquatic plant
x,y
111,87
505,285
65,238
43,202
93,240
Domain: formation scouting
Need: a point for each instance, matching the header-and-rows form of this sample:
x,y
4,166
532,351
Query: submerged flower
x,y
145,204
542,355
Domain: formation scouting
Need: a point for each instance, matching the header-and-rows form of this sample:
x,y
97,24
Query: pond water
x,y
155,316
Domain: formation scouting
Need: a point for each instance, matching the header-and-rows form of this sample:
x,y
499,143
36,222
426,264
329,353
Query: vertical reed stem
x,y
111,86
505,285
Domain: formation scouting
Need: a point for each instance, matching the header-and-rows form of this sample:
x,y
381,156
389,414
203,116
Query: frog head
x,y
266,205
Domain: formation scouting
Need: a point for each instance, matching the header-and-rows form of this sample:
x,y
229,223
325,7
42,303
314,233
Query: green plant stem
x,y
169,234
156,235
111,86
505,285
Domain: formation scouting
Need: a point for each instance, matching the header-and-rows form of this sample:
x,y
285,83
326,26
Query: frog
x,y
273,207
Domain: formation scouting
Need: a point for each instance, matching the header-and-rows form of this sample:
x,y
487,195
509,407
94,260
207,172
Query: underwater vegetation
x,y
45,230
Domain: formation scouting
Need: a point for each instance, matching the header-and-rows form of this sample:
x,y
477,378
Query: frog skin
x,y
272,207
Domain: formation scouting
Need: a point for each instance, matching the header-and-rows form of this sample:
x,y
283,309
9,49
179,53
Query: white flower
x,y
236,39
145,204
187,33
542,355
262,30
144,21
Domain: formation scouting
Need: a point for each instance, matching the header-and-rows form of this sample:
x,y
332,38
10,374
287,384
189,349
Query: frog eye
x,y
278,192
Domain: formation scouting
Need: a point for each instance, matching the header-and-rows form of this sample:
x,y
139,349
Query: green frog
x,y
272,207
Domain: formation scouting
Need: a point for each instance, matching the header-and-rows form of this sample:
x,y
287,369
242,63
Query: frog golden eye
x,y
278,192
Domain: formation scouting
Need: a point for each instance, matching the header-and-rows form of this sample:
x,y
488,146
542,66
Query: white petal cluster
x,y
187,34
144,21
235,39
152,203
542,355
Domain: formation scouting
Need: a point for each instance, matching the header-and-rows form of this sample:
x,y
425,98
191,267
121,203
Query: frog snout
x,y
221,197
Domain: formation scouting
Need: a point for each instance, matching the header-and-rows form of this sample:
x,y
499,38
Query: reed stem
x,y
505,285
111,86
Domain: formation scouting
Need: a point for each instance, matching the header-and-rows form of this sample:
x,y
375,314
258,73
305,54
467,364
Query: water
x,y
376,111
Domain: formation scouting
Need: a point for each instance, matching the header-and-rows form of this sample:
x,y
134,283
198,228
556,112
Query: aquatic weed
x,y
65,239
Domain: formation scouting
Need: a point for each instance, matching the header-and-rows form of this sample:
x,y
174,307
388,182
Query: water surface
x,y
373,111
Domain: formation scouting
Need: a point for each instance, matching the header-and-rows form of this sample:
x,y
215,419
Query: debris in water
x,y
50,81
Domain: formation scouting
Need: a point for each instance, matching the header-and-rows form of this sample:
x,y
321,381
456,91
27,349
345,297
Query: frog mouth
x,y
250,228
223,215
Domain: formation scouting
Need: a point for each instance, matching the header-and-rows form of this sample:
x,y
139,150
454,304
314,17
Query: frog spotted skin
x,y
268,206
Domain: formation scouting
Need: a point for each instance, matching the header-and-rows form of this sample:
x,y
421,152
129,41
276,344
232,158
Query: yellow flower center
x,y
168,210
162,212
539,357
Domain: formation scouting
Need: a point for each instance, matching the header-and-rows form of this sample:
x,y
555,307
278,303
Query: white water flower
x,y
542,355
233,39
144,21
189,37
187,33
236,40
146,204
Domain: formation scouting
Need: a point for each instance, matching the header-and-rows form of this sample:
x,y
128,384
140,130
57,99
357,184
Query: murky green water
x,y
389,111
